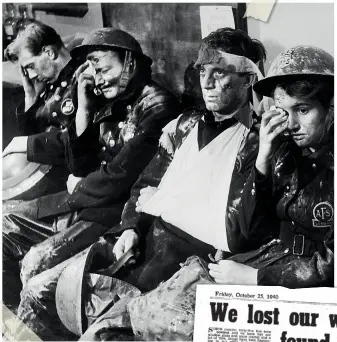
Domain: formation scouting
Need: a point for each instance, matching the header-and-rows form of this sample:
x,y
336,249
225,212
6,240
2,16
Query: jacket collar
x,y
67,72
118,106
244,115
66,76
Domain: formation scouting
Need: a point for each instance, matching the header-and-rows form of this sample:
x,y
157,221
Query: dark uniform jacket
x,y
53,111
169,143
111,153
294,204
43,123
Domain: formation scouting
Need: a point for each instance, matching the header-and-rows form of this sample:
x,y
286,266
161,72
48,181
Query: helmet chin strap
x,y
128,68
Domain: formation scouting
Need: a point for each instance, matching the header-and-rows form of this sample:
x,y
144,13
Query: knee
x,y
30,265
28,292
31,300
10,206
41,286
29,296
35,291
7,223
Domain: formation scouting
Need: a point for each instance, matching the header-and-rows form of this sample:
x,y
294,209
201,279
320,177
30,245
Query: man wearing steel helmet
x,y
105,150
290,192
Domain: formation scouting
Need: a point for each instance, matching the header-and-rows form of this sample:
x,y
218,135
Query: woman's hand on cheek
x,y
273,123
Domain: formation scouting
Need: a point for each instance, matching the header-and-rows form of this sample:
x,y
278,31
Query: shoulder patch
x,y
323,215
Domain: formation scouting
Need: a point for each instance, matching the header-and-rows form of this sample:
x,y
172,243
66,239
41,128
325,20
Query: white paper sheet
x,y
215,17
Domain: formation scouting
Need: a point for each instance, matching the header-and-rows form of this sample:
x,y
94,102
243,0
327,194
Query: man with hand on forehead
x,y
289,195
106,150
47,70
34,162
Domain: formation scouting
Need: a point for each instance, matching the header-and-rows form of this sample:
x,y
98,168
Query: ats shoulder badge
x,y
323,215
67,107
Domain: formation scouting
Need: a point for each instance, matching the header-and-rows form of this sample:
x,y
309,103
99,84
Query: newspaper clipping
x,y
262,314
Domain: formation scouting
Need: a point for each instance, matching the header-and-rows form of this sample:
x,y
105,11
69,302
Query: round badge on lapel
x,y
67,106
238,164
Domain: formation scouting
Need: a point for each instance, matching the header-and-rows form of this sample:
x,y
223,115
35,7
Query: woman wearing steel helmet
x,y
288,198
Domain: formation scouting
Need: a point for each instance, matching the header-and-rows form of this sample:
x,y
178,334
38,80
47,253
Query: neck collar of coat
x,y
244,115
117,107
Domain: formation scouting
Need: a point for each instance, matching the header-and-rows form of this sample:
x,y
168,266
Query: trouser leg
x,y
19,233
11,284
38,308
21,229
164,251
113,325
61,246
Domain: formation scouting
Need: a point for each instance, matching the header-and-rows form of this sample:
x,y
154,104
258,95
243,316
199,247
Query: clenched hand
x,y
72,182
233,273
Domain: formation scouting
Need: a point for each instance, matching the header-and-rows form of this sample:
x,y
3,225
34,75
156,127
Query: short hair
x,y
33,38
236,42
313,88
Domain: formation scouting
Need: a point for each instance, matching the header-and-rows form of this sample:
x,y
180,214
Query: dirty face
x,y
306,120
41,68
223,91
108,70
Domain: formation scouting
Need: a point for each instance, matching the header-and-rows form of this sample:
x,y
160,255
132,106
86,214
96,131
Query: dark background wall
x,y
170,33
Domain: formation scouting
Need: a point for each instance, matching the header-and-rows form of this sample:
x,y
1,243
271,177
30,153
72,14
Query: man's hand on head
x,y
32,88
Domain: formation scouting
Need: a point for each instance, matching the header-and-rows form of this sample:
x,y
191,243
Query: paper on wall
x,y
260,10
215,17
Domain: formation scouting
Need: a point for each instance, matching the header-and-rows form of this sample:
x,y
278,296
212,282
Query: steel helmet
x,y
106,38
73,290
21,177
297,62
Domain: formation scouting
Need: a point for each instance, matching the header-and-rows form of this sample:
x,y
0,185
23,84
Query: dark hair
x,y
144,70
236,42
33,38
309,89
192,94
